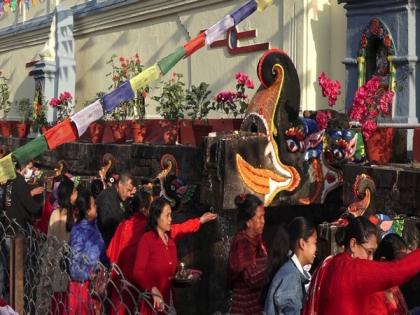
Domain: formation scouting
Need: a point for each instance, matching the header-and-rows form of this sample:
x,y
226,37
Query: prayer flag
x,y
30,150
61,133
221,27
195,44
167,63
145,77
243,12
7,169
121,94
86,116
263,4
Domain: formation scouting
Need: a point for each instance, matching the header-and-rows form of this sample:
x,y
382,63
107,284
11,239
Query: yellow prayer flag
x,y
263,4
7,169
145,77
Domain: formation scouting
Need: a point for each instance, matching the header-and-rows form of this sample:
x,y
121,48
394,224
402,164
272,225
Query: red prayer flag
x,y
61,133
195,44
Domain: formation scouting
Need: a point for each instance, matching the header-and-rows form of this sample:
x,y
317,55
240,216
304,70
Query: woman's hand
x,y
208,216
157,300
37,191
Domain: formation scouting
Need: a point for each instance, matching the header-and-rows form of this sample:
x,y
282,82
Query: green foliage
x,y
198,102
5,104
126,70
172,100
25,109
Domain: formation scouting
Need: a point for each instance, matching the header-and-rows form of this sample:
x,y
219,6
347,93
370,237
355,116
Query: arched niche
x,y
376,52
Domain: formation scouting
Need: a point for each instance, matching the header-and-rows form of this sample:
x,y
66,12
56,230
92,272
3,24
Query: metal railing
x,y
34,278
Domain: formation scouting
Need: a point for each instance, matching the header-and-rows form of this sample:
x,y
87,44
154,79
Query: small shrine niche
x,y
376,54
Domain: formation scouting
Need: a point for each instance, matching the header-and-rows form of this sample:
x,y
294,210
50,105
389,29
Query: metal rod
x,y
389,125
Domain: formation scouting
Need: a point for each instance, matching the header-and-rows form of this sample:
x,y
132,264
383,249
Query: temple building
x,y
67,44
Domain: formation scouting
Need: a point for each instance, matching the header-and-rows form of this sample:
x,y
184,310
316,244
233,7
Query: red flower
x,y
122,59
363,40
374,27
116,77
330,89
322,119
368,128
249,84
144,94
241,78
54,102
65,97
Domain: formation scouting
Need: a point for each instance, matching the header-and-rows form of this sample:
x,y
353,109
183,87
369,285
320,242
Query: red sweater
x,y
247,267
156,263
343,285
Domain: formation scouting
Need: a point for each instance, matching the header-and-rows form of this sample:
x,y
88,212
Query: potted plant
x,y
4,105
25,113
63,105
39,116
171,107
198,105
125,70
235,103
371,101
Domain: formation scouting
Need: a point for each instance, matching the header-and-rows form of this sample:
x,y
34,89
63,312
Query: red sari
x,y
122,250
344,285
389,302
156,263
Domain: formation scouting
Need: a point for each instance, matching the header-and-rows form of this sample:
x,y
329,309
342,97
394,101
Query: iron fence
x,y
34,278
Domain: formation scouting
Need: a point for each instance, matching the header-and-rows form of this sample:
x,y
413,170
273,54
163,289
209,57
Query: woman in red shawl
x,y
122,250
248,257
344,284
156,259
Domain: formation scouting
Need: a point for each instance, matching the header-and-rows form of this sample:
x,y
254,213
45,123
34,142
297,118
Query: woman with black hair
x,y
297,248
248,257
391,301
59,227
87,250
156,259
343,284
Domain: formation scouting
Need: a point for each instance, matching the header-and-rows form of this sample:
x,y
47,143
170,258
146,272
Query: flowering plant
x,y
322,118
237,101
4,95
63,105
25,109
172,100
122,70
330,88
370,101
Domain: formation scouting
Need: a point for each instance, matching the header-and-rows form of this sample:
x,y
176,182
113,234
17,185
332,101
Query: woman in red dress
x,y
248,257
156,259
344,284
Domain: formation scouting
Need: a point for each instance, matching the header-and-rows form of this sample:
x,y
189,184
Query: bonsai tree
x,y
198,103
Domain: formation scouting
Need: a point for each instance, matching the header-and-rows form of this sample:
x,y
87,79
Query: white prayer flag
x,y
86,116
221,27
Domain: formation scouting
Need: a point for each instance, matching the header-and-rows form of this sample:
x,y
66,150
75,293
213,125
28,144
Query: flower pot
x,y
5,129
170,131
118,131
96,130
21,130
379,146
138,132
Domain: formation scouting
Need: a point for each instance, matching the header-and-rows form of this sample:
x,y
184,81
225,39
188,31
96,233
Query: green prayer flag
x,y
30,150
167,63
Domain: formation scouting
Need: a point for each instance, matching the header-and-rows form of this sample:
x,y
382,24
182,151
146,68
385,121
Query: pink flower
x,y
368,128
322,119
65,97
330,89
225,96
249,84
54,102
241,78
